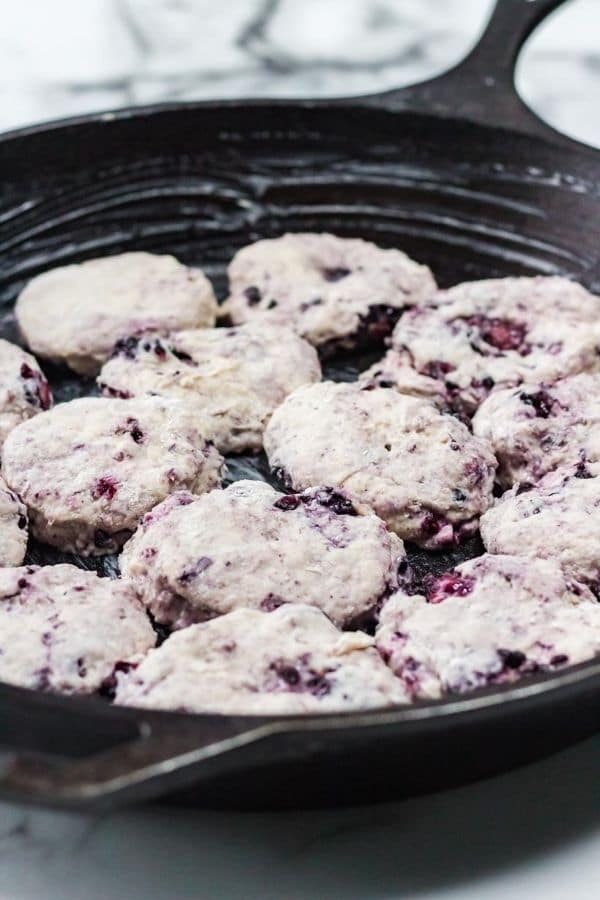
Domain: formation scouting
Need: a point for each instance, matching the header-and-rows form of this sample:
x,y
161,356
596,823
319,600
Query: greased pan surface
x,y
456,172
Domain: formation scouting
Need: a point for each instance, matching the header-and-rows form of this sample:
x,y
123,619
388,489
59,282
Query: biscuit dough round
x,y
251,546
558,518
89,469
235,377
335,292
24,391
13,527
492,620
76,314
65,629
422,472
497,333
292,660
536,428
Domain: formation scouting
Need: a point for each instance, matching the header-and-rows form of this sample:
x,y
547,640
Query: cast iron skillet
x,y
458,172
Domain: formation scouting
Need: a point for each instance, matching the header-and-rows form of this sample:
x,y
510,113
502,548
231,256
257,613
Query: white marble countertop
x,y
531,834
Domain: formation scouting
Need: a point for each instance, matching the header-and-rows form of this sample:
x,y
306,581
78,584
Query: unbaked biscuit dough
x,y
64,629
234,377
490,621
421,471
89,469
251,546
292,660
75,314
338,293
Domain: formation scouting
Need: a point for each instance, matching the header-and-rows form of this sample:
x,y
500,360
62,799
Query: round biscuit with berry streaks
x,y
292,660
234,377
491,621
251,546
557,518
421,471
89,469
24,390
536,427
75,314
64,629
338,293
481,335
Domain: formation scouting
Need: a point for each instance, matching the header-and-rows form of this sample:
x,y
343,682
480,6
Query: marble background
x,y
531,834
67,56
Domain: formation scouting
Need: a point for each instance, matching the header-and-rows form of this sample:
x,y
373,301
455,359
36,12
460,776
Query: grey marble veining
x,y
68,56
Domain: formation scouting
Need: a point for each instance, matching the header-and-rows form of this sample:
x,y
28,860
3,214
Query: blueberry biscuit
x,y
234,377
249,545
64,629
558,518
75,314
490,621
13,527
24,390
484,334
292,660
89,469
336,292
422,472
536,428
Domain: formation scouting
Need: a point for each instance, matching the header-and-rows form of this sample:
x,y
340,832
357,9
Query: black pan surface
x,y
459,174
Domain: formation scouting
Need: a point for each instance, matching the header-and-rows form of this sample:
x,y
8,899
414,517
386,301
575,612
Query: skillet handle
x,y
481,88
156,760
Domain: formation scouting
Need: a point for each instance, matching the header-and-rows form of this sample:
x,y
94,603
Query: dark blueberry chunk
x,y
332,500
437,368
159,351
335,274
459,496
289,501
22,522
487,383
108,688
37,391
271,304
43,678
135,431
503,334
541,401
113,392
378,323
318,685
287,673
252,295
271,602
126,347
432,523
582,471
106,486
201,565
475,470
81,667
523,487
512,659
181,355
559,659
450,584
22,583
